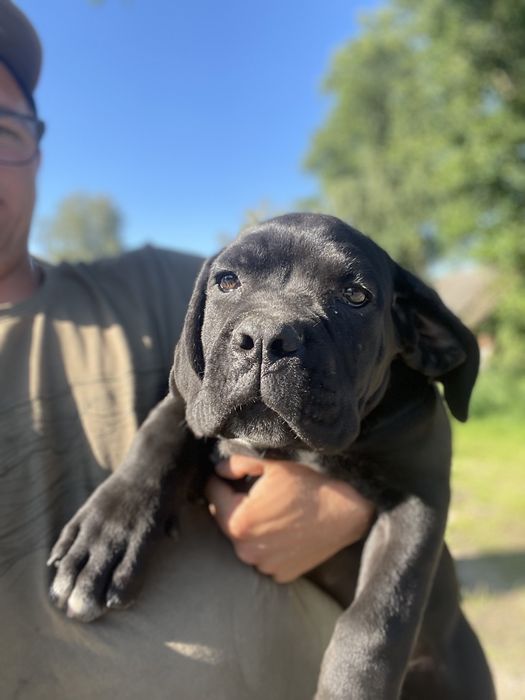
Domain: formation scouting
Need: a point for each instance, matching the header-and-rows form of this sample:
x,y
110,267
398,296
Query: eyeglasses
x,y
20,135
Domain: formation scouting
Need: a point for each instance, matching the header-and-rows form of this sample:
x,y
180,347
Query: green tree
x,y
84,228
264,210
424,147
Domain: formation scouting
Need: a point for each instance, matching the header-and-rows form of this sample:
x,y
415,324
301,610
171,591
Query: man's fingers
x,y
238,466
224,502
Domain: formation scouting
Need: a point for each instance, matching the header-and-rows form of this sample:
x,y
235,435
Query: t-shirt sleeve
x,y
168,280
149,290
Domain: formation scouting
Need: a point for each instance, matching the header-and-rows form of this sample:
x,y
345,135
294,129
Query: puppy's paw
x,y
100,549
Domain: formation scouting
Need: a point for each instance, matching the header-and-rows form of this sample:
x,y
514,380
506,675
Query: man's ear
x,y
188,365
433,340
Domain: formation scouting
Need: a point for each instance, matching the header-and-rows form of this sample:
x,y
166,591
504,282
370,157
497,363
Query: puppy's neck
x,y
240,446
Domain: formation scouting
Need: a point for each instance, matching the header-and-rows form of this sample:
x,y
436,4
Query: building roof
x,y
472,294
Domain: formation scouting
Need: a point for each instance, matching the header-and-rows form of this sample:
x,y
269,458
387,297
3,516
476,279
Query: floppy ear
x,y
434,341
188,364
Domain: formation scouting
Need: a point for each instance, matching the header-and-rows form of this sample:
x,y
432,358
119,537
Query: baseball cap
x,y
20,47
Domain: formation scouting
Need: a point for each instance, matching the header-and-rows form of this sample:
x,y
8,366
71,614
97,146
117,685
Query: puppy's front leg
x,y
372,642
99,550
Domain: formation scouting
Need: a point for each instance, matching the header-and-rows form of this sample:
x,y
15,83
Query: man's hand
x,y
291,520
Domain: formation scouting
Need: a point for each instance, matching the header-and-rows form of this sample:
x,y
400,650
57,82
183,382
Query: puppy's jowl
x,y
304,340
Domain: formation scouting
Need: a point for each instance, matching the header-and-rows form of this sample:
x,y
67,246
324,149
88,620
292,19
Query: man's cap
x,y
20,47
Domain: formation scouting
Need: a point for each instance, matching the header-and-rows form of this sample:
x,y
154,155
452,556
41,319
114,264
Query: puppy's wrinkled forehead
x,y
327,249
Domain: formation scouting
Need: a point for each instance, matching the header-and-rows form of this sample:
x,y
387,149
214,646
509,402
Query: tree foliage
x,y
84,228
424,147
425,143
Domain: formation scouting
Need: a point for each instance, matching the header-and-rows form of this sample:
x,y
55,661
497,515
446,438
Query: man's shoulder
x,y
146,258
157,269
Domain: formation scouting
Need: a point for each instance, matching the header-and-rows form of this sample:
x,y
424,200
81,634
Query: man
x,y
85,352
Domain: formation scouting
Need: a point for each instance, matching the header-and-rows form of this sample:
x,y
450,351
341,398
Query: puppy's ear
x,y
433,340
188,365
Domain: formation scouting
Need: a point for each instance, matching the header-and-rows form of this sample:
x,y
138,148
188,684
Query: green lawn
x,y
486,533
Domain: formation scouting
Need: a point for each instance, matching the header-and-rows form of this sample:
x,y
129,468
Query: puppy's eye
x,y
228,281
356,295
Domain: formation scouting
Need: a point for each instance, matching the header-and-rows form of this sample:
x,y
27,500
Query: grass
x,y
486,533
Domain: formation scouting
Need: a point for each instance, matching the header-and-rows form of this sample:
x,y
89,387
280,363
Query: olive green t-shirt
x,y
81,364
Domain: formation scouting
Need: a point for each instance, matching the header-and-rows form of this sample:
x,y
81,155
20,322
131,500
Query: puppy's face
x,y
297,337
290,336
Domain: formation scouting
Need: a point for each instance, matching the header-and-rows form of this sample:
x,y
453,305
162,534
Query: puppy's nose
x,y
287,341
274,343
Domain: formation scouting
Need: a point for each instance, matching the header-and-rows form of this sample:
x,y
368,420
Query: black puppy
x,y
304,340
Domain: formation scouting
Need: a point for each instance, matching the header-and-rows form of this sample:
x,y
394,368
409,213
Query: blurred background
x,y
178,123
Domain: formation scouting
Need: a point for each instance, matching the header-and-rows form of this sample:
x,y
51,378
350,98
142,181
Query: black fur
x,y
322,349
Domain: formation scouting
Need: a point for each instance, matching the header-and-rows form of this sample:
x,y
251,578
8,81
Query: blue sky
x,y
186,113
